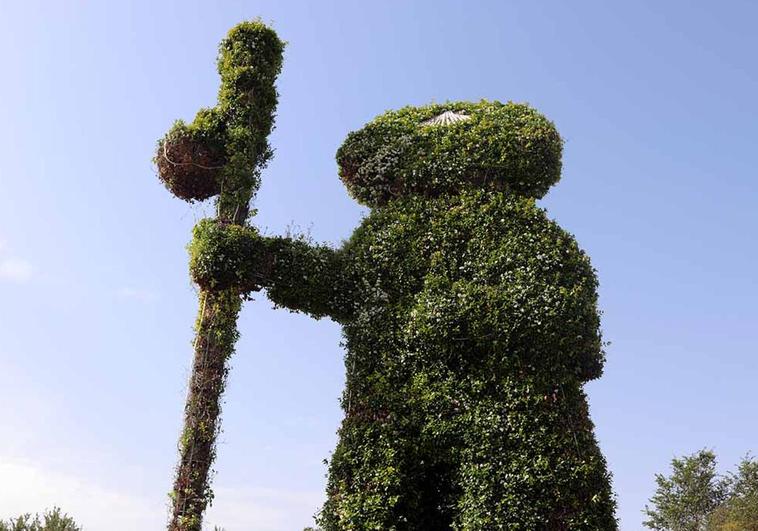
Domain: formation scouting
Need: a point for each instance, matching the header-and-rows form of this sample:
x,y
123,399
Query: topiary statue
x,y
221,153
470,324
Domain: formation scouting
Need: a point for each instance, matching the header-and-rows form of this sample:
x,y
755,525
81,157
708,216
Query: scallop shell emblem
x,y
446,118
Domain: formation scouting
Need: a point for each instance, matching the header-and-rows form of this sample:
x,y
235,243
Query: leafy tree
x,y
685,500
52,520
740,510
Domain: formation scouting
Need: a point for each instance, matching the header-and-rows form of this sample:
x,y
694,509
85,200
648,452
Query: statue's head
x,y
443,148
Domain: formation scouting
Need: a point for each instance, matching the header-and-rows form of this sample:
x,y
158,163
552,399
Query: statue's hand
x,y
225,256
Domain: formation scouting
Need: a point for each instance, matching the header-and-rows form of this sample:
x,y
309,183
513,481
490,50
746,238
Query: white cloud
x,y
12,268
135,294
15,269
28,487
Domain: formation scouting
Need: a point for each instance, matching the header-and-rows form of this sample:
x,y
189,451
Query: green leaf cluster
x,y
492,145
52,520
297,274
694,497
225,147
739,512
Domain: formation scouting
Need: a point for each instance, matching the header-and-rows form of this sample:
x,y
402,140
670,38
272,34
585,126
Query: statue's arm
x,y
295,273
313,279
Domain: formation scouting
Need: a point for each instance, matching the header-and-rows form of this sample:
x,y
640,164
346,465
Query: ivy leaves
x,y
497,147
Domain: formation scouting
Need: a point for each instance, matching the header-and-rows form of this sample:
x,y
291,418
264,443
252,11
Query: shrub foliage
x,y
52,520
695,497
417,151
470,324
225,147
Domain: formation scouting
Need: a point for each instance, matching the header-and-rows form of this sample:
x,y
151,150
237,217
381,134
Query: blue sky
x,y
656,102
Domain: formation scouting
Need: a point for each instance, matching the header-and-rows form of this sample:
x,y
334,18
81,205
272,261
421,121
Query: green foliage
x,y
250,59
695,498
475,326
224,255
190,157
298,275
226,147
496,146
469,318
52,520
470,323
222,152
739,510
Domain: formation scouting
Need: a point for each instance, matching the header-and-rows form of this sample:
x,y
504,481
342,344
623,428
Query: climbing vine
x,y
220,153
